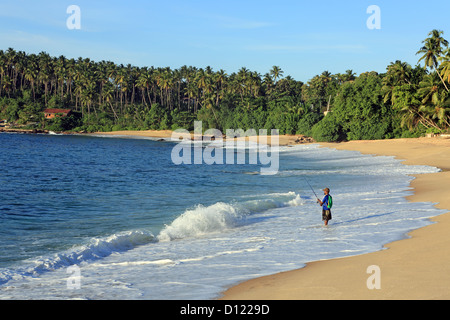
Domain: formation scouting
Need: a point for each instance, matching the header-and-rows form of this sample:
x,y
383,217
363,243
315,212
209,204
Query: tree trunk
x,y
442,79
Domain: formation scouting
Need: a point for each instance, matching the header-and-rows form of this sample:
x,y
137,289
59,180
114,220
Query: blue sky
x,y
304,38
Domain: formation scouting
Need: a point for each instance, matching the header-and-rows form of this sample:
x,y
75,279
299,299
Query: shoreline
x,y
411,268
25,131
284,140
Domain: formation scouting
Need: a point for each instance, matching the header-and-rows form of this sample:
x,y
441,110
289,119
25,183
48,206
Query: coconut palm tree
x,y
6,84
142,83
438,112
435,103
11,59
45,72
108,97
398,73
31,72
268,83
445,65
165,82
429,89
401,72
349,75
3,68
191,91
432,50
220,78
276,73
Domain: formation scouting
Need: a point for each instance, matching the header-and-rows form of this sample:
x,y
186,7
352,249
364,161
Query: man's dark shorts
x,y
326,215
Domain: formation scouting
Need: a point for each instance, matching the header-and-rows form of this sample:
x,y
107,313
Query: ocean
x,y
92,217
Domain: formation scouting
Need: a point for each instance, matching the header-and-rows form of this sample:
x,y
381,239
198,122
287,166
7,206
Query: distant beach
x,y
284,140
413,268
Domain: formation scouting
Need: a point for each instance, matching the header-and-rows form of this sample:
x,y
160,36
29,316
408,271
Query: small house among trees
x,y
53,113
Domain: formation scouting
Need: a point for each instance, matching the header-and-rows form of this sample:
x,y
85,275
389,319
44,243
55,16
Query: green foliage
x,y
10,109
182,119
154,117
360,109
327,130
307,122
60,124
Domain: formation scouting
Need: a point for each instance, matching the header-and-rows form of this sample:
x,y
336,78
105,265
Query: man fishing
x,y
326,204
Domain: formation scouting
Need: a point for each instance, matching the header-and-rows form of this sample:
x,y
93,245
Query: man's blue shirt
x,y
325,203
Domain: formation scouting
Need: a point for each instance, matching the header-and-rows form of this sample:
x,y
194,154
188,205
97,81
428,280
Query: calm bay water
x,y
141,227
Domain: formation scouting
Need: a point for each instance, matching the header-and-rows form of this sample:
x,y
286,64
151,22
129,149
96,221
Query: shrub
x,y
306,123
327,130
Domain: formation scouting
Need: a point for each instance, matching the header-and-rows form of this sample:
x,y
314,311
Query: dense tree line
x,y
405,101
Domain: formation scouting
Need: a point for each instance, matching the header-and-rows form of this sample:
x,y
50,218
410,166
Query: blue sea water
x,y
137,226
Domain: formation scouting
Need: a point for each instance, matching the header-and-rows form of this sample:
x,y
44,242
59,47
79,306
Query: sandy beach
x,y
413,268
283,140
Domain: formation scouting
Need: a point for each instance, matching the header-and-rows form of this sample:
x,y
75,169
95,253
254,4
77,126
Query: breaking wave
x,y
97,248
195,222
221,216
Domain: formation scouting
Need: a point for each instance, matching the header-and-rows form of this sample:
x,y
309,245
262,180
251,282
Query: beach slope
x,y
413,268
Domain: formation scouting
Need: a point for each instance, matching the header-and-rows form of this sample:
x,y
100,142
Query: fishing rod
x,y
311,188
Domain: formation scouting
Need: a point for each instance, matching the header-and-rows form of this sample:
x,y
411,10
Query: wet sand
x,y
413,268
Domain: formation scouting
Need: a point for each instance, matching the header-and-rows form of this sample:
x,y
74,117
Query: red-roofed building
x,y
53,113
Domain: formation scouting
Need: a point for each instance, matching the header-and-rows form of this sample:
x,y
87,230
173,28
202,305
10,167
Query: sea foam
x,y
94,249
222,216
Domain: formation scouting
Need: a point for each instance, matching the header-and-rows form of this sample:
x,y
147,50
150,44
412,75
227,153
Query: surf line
x,y
213,152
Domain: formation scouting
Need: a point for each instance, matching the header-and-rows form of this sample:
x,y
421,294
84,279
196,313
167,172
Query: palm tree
x,y
11,58
21,66
242,82
142,83
220,79
61,73
401,72
435,103
108,96
31,73
3,68
276,73
438,112
205,85
350,75
192,92
432,51
165,82
445,65
387,90
133,74
429,89
45,72
6,84
71,69
255,83
122,85
268,82
398,73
